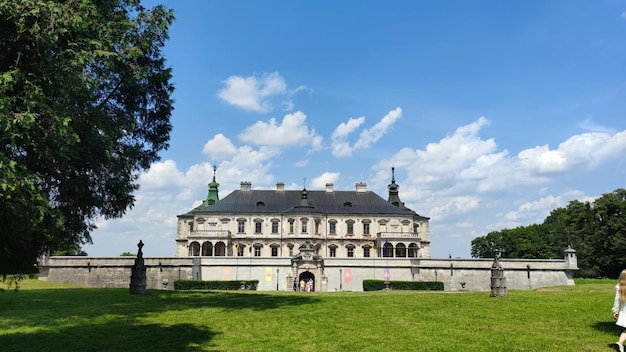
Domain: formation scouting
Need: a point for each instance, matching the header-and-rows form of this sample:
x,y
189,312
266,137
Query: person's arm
x,y
616,303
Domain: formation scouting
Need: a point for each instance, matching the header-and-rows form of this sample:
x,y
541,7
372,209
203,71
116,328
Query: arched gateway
x,y
308,267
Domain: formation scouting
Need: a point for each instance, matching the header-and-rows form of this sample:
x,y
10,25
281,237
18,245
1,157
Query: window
x,y
350,228
274,227
274,251
350,252
291,225
207,249
257,251
387,250
400,250
366,229
333,252
257,227
291,251
366,252
413,250
317,228
220,249
191,226
241,226
194,249
333,228
240,250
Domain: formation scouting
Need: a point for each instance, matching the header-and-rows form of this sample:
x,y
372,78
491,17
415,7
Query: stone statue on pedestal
x,y
138,274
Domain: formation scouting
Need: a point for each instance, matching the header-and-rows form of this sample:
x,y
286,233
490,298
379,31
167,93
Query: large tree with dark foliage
x,y
596,230
85,105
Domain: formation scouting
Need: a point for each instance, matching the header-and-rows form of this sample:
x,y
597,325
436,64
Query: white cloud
x,y
345,128
341,147
371,136
327,177
536,211
582,151
219,148
255,93
292,131
161,174
459,204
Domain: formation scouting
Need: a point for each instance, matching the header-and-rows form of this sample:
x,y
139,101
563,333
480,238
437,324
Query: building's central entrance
x,y
308,279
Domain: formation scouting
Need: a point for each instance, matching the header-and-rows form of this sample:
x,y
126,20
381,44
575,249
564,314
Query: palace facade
x,y
276,223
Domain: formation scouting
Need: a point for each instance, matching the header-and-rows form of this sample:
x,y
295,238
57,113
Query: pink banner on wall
x,y
386,275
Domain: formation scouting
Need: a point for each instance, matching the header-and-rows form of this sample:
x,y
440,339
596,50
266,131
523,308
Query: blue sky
x,y
493,113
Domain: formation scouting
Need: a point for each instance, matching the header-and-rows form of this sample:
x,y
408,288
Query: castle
x,y
331,239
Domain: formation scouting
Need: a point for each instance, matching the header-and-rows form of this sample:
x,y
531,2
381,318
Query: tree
x,y
609,239
521,242
575,225
596,230
85,105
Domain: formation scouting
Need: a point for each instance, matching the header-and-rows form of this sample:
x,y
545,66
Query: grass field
x,y
52,317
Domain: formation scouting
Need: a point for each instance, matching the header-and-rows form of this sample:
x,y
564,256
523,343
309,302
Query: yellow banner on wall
x,y
268,274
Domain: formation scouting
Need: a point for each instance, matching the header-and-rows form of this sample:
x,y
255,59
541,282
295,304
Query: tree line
x,y
596,230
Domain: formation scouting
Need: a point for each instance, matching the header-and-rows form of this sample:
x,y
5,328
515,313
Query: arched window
x,y
413,250
400,250
207,249
220,249
194,249
387,250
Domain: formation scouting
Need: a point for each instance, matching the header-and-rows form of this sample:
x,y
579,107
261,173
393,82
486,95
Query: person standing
x,y
302,285
619,309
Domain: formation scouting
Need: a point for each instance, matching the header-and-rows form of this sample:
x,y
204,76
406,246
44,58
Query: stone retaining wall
x,y
338,274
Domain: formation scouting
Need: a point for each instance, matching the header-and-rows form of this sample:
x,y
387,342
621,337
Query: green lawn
x,y
51,317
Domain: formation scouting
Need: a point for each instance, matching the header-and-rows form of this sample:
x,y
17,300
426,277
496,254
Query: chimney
x,y
361,187
280,187
246,186
329,187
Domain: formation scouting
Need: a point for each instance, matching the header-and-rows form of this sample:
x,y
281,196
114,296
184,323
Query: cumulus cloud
x,y
460,204
255,93
292,131
161,174
582,151
341,147
327,177
219,148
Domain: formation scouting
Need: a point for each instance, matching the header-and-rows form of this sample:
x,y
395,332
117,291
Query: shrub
x,y
216,285
377,285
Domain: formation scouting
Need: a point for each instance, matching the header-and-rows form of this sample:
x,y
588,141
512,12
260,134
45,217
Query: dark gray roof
x,y
291,201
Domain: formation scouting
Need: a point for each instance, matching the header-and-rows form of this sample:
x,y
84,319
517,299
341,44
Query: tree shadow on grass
x,y
42,308
111,337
